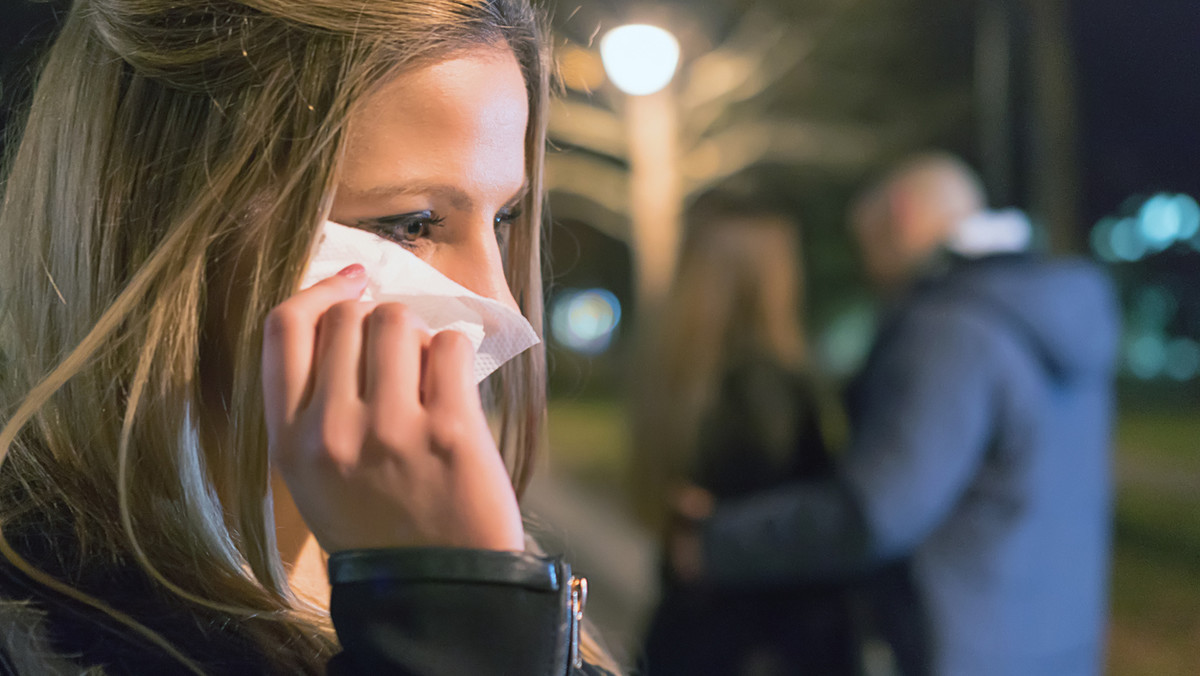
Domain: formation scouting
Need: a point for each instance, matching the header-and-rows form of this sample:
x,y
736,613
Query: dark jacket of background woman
x,y
761,433
730,413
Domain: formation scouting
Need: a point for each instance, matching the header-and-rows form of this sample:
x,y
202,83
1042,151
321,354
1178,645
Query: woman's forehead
x,y
464,115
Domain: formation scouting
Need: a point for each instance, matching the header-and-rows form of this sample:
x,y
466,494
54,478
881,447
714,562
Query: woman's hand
x,y
377,426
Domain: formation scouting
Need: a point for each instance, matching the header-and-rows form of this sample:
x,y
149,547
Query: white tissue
x,y
395,274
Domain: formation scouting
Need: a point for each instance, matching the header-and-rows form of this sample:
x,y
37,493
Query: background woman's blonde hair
x,y
177,161
736,294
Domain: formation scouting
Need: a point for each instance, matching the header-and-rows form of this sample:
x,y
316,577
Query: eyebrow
x,y
457,197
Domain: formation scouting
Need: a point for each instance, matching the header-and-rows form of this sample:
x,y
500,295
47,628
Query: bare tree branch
x,y
790,142
584,125
598,182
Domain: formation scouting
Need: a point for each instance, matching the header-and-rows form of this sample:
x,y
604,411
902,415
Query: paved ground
x,y
620,561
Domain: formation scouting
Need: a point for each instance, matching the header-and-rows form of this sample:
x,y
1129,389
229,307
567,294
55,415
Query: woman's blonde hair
x,y
176,163
736,294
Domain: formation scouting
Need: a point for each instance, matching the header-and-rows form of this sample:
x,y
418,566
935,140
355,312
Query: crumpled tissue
x,y
395,274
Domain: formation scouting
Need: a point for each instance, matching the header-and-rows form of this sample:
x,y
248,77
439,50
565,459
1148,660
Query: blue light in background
x,y
1153,308
1150,351
844,344
1127,241
1146,356
1160,221
584,321
1189,216
1102,239
1182,359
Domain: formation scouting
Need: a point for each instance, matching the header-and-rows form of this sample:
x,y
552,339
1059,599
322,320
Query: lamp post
x,y
641,60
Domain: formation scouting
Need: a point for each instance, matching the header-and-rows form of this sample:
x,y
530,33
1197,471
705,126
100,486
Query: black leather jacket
x,y
407,612
446,612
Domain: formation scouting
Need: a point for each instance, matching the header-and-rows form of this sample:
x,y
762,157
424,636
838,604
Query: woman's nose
x,y
476,264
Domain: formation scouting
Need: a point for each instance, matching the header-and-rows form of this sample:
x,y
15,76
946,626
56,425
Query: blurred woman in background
x,y
730,414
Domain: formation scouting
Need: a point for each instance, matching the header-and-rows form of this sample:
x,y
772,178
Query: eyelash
x,y
395,227
505,219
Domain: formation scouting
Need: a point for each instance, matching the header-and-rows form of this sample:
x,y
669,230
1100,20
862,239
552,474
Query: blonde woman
x,y
184,433
736,417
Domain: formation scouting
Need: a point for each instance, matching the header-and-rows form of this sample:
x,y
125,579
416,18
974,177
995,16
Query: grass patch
x,y
1161,438
1154,628
1155,618
589,440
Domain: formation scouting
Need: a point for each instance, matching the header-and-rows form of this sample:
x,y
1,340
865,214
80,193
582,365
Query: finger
x,y
289,341
396,337
338,361
448,381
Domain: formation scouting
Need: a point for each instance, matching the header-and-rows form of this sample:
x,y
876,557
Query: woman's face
x,y
435,161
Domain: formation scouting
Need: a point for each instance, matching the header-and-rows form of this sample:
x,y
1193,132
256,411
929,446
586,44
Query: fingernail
x,y
352,271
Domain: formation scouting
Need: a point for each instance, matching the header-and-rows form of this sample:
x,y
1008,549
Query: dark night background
x,y
1139,77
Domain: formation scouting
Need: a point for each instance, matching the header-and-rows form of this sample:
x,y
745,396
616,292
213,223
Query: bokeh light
x,y
1158,223
1101,240
639,59
844,344
1182,359
584,321
1127,241
1153,308
1146,356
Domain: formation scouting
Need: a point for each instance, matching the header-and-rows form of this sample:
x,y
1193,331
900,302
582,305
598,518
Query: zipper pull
x,y
579,592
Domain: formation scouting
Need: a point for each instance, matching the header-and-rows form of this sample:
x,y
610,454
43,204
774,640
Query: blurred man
x,y
979,441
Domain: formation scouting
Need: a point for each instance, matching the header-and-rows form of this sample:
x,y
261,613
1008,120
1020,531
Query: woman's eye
x,y
405,228
504,220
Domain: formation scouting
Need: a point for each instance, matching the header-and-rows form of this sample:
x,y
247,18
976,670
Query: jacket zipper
x,y
579,591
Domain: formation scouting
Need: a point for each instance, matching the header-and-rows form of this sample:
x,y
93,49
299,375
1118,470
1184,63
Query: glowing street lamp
x,y
639,59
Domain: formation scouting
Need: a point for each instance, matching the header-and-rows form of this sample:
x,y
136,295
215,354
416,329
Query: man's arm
x,y
916,446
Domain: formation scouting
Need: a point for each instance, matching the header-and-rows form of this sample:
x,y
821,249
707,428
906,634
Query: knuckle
x,y
453,343
334,443
283,320
387,430
345,312
396,315
448,433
